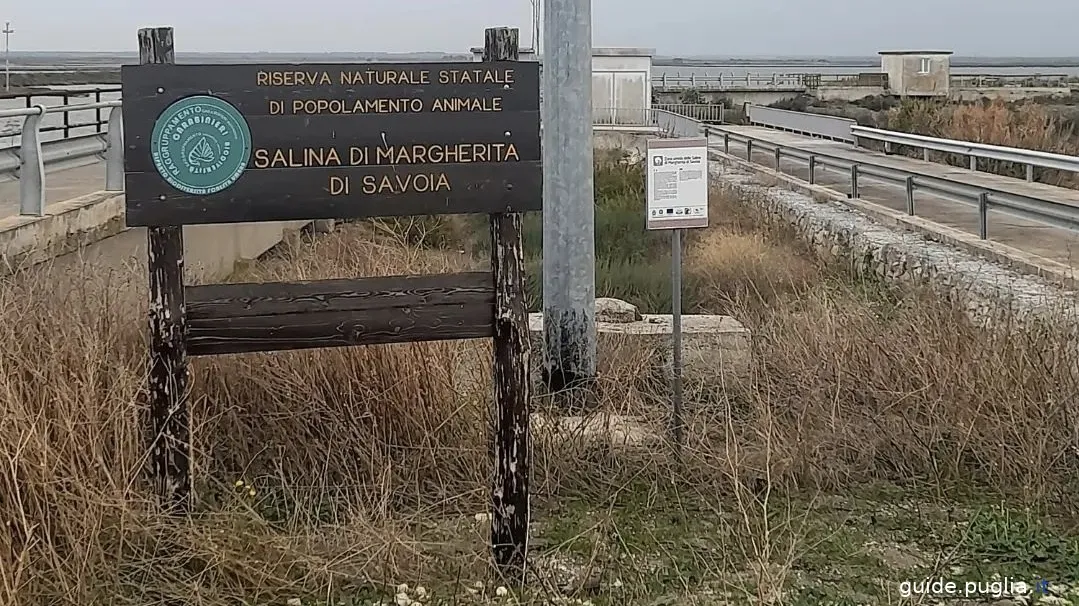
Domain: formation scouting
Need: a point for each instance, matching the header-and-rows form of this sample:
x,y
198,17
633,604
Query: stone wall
x,y
990,292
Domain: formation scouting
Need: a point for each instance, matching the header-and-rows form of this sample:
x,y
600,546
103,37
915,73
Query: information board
x,y
233,143
677,183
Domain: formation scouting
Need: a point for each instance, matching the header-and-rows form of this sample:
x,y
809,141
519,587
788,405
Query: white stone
x,y
616,311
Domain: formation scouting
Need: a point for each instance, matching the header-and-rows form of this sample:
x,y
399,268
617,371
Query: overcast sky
x,y
673,27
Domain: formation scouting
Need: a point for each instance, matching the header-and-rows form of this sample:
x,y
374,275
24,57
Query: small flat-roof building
x,y
917,73
621,82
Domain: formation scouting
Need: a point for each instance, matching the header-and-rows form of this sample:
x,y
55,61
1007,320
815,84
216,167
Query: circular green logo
x,y
200,144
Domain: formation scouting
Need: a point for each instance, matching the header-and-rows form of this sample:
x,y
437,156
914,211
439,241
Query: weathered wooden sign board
x,y
212,144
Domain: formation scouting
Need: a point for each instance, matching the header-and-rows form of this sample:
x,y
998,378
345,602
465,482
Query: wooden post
x,y
513,459
170,447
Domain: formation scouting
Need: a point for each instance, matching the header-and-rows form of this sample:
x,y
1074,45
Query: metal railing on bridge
x,y
747,81
28,161
1029,158
751,81
1013,80
57,124
622,116
985,197
662,120
847,130
802,123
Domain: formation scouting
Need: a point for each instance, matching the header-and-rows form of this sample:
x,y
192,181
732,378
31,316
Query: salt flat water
x,y
36,62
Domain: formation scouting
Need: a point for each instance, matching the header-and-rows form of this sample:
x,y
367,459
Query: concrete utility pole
x,y
7,54
537,7
569,248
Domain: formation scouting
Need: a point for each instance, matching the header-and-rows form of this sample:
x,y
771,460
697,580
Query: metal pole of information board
x,y
676,336
676,199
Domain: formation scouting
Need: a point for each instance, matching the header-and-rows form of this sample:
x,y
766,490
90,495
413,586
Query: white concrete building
x,y
621,83
917,73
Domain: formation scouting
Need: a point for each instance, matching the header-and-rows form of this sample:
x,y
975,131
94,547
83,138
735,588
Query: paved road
x,y
1054,243
59,186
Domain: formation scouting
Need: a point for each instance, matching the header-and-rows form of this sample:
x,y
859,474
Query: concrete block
x,y
615,430
66,227
715,349
323,226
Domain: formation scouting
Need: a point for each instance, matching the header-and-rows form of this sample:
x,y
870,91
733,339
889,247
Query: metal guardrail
x,y
665,122
803,123
676,125
1029,157
756,81
640,116
985,198
703,112
808,81
745,81
58,124
32,157
1012,80
843,129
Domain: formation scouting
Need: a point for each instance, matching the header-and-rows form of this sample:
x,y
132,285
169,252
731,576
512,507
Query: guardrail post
x,y
67,118
1030,173
925,154
973,162
983,215
114,151
749,150
97,111
853,180
726,143
888,148
910,195
812,169
779,153
32,166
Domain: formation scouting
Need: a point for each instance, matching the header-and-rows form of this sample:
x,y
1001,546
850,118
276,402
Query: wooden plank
x,y
513,458
312,193
218,301
170,448
243,334
239,84
366,140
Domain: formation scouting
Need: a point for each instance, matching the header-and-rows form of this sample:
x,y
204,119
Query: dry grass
x,y
368,464
1024,125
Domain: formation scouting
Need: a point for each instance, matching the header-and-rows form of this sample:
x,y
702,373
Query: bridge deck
x,y
1053,243
59,186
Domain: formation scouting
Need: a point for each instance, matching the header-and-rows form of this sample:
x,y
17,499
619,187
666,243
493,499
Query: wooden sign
x,y
247,143
207,143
